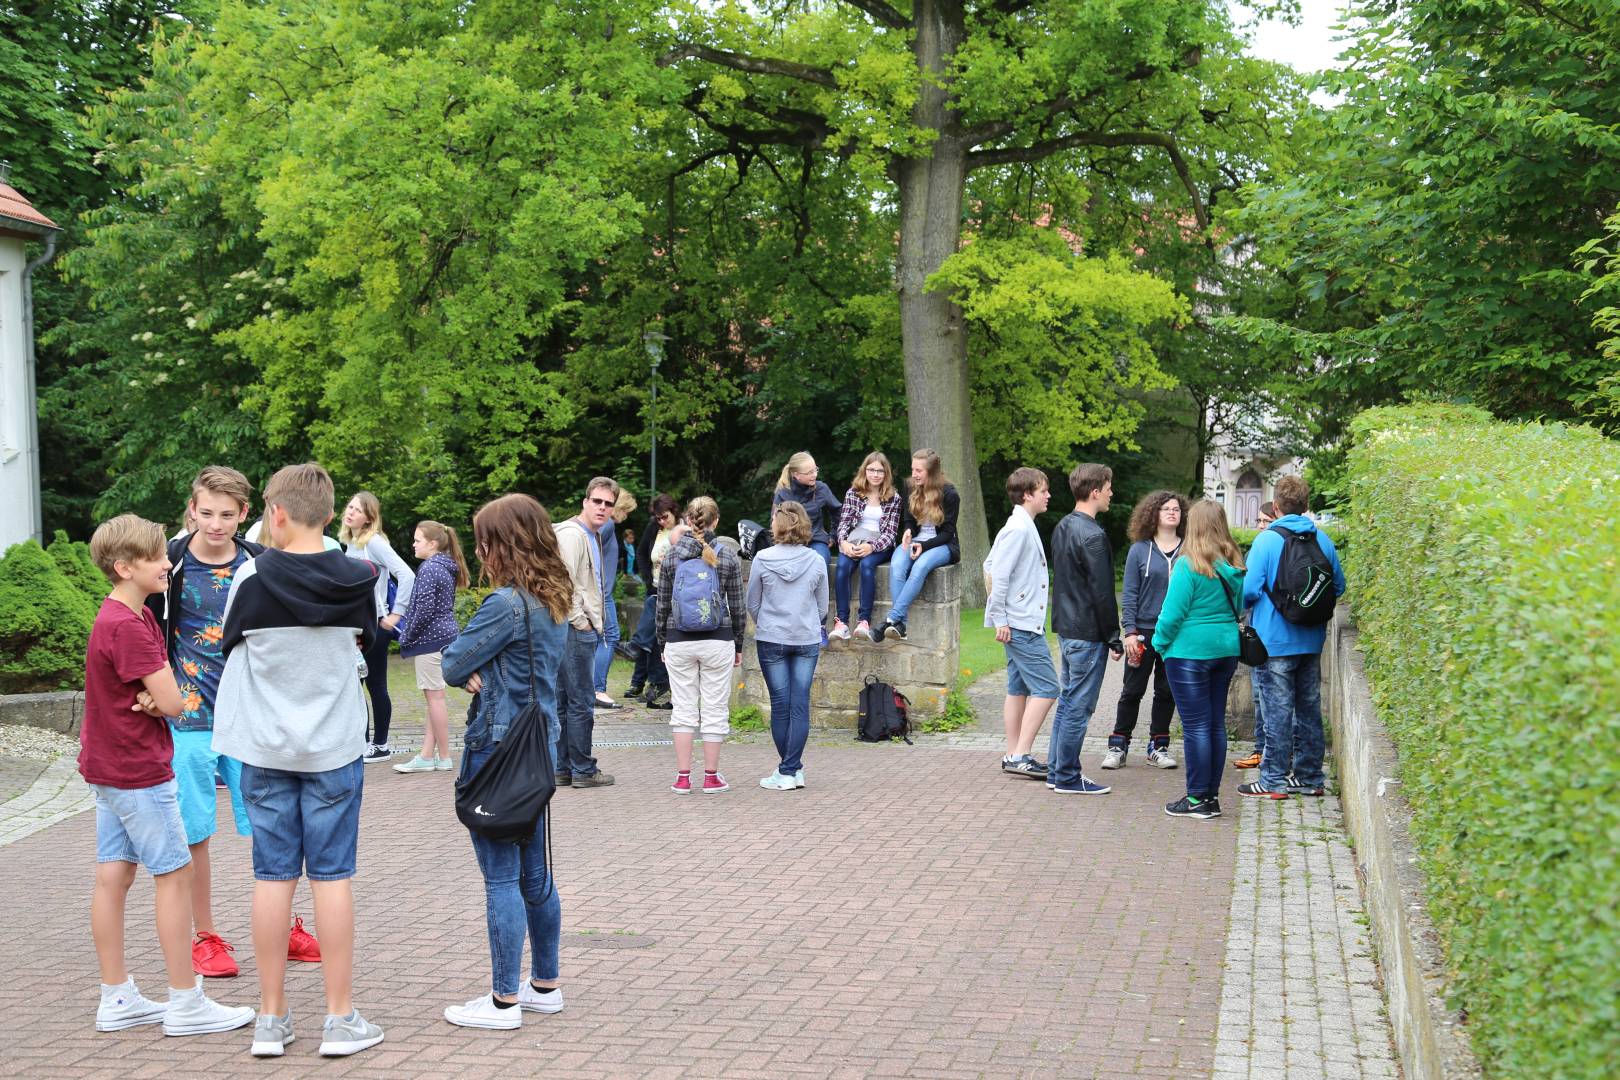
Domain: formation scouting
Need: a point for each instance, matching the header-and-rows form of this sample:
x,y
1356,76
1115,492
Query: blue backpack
x,y
697,603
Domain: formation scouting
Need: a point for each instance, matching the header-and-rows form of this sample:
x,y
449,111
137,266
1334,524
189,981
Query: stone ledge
x,y
61,712
1430,1038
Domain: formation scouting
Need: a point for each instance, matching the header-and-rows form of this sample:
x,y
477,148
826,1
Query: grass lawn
x,y
981,652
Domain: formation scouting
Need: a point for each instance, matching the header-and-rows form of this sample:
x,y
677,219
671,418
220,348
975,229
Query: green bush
x,y
72,557
467,601
1486,585
45,623
749,718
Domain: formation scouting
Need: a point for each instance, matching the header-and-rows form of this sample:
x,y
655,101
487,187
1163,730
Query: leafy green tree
x,y
1433,231
917,98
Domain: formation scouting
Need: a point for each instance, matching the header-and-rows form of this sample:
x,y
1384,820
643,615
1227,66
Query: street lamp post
x,y
654,341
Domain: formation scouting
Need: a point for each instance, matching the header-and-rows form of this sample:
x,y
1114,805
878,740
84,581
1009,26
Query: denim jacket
x,y
494,646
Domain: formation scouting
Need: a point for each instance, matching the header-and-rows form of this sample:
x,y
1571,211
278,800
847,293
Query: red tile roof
x,y
17,208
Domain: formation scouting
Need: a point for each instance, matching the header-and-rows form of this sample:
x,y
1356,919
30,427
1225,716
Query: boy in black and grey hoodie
x,y
291,708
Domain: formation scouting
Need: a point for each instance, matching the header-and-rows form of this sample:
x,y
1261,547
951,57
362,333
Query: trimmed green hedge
x,y
1486,584
45,621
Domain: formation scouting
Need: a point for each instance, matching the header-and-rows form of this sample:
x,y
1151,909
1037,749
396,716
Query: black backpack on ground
x,y
885,713
1303,590
505,799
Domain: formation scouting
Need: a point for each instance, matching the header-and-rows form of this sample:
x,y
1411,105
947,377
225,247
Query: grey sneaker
x,y
596,779
192,1012
1115,758
126,1007
1025,766
345,1035
271,1034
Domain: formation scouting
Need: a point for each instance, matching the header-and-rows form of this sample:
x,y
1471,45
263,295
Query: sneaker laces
x,y
211,945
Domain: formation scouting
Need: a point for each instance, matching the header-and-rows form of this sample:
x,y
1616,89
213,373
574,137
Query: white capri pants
x,y
700,686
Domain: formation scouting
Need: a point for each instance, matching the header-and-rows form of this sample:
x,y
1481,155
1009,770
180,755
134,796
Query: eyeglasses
x,y
603,502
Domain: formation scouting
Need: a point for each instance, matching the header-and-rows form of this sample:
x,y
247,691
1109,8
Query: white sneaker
x,y
540,1001
192,1012
482,1013
271,1034
416,764
1115,758
126,1007
778,782
798,779
863,629
839,632
1160,758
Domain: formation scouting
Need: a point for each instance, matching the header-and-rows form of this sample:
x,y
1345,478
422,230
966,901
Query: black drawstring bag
x,y
1251,650
505,799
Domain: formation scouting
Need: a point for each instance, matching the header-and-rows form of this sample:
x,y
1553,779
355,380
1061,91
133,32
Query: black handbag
x,y
506,798
1251,650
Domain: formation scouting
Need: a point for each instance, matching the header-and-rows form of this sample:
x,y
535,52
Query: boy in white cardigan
x,y
1016,608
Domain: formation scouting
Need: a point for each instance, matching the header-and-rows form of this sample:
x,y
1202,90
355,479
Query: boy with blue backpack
x,y
1293,583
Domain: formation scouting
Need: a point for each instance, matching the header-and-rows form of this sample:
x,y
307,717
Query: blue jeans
x,y
576,703
604,648
907,576
868,567
141,825
1259,712
1200,689
304,823
820,548
1084,663
518,898
650,670
788,670
1291,687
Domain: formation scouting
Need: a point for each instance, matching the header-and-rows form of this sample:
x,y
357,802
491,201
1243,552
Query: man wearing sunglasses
x,y
580,541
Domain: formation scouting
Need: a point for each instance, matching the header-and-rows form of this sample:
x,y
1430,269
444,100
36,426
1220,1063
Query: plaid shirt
x,y
849,518
735,618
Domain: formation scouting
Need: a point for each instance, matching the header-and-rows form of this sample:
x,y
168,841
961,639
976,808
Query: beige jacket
x,y
581,554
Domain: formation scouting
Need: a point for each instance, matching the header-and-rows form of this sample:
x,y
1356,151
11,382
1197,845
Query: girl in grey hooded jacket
x,y
787,597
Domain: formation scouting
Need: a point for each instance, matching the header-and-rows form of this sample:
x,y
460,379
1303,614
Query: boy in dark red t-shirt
x,y
125,752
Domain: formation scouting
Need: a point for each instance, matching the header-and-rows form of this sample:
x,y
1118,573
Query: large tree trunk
x,y
933,334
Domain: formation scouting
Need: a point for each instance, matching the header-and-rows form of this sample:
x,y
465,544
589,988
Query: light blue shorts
x,y
1030,672
195,762
140,825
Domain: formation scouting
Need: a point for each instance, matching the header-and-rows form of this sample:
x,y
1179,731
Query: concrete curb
x,y
61,711
1429,1037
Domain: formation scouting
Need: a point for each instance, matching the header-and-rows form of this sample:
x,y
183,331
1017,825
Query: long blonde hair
x,y
1208,539
445,539
928,499
703,514
373,527
797,463
862,487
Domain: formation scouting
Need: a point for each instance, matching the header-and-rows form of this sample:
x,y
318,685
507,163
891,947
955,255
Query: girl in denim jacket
x,y
492,658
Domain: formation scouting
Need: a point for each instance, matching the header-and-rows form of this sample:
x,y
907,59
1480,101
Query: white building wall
x,y
16,480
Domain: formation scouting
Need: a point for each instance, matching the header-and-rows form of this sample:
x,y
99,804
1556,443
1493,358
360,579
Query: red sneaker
x,y
211,956
682,784
301,944
714,784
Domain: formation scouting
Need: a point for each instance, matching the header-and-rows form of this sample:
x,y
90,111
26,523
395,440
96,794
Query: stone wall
x,y
1429,1038
61,712
923,667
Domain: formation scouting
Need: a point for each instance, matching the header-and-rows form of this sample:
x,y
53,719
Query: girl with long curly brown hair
x,y
1157,527
513,643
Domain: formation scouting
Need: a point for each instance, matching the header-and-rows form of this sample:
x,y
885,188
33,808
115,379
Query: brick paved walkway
x,y
912,912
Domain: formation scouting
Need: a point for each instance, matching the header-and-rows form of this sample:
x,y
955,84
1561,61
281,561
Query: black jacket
x,y
945,531
165,606
1083,602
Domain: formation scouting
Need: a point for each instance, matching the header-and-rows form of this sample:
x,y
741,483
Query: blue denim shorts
x,y
141,825
195,762
304,824
1029,666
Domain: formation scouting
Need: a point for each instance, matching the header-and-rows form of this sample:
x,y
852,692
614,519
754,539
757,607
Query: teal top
x,y
1197,621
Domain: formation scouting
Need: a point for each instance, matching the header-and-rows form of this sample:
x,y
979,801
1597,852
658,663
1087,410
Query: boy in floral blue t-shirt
x,y
191,614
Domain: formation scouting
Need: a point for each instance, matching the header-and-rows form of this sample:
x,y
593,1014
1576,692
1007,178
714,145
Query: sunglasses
x,y
603,502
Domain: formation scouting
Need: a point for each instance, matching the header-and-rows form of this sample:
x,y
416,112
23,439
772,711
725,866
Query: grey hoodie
x,y
787,595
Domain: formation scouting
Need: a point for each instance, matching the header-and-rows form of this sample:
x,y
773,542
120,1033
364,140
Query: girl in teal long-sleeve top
x,y
1197,634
